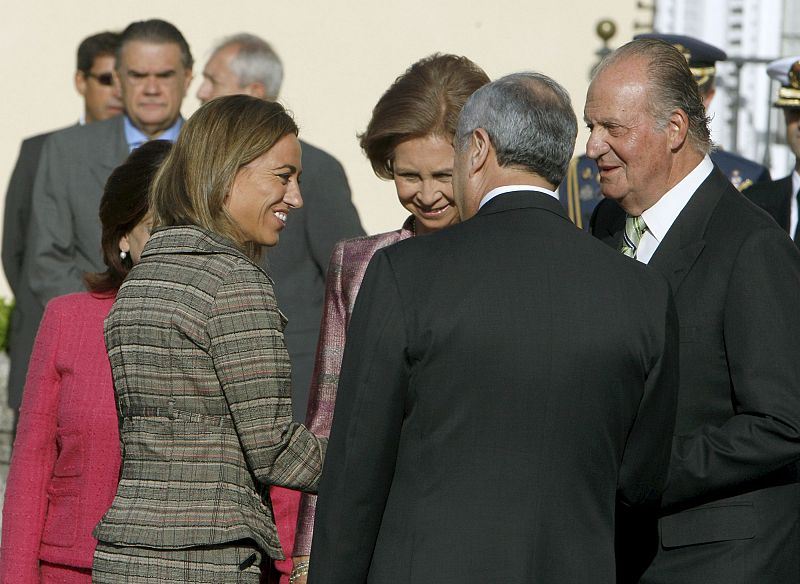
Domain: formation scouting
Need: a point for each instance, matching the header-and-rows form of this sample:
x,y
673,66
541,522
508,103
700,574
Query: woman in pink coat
x,y
65,462
408,140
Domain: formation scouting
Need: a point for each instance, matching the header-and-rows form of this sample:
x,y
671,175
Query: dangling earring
x,y
123,255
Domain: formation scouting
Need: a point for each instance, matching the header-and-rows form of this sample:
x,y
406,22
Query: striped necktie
x,y
634,229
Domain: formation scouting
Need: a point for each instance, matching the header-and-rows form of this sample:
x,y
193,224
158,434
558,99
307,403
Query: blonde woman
x,y
200,369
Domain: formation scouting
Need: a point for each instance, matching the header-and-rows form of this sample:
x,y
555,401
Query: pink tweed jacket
x,y
346,271
66,459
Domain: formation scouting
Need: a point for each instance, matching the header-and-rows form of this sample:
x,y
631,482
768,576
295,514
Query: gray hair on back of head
x,y
255,62
530,122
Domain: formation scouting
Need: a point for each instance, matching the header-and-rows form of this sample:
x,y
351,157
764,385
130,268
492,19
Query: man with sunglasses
x,y
95,82
94,77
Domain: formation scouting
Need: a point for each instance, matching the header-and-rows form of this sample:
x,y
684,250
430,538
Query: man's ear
x,y
678,128
480,150
256,89
187,80
80,82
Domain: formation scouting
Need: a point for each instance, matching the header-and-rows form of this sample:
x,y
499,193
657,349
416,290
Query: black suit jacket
x,y
299,263
485,419
730,511
775,197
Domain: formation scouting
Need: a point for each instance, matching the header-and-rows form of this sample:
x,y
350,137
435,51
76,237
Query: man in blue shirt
x,y
153,69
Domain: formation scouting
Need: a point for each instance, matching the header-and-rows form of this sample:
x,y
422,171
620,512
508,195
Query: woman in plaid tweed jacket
x,y
200,369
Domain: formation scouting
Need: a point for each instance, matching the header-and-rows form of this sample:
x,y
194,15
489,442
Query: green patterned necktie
x,y
634,229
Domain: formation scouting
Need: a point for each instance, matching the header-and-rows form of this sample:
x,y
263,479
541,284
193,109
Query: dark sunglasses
x,y
103,79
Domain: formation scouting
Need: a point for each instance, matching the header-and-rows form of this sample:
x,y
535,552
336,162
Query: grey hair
x,y
671,86
530,122
255,62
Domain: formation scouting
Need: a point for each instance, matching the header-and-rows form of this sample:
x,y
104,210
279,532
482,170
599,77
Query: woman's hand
x,y
300,571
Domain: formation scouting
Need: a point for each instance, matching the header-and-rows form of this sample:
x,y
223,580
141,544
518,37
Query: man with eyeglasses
x,y
153,72
95,82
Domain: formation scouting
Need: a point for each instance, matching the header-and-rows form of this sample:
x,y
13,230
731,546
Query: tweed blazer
x,y
65,462
201,374
348,264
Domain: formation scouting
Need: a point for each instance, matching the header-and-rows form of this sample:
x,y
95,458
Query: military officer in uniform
x,y
779,198
580,190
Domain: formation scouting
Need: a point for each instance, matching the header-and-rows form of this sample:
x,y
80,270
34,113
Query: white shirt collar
x,y
660,217
514,188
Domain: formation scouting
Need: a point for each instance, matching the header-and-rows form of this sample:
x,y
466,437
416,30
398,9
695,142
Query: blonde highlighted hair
x,y
220,138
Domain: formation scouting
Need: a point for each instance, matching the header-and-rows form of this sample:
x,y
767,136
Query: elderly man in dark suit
x,y
731,510
580,192
94,81
486,422
781,198
246,64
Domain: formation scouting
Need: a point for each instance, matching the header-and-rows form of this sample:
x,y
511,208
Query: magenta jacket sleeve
x,y
32,460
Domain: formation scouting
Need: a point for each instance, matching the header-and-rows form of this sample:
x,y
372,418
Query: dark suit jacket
x,y
775,198
485,420
731,507
27,311
299,263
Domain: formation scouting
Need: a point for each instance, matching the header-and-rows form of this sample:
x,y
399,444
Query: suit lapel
x,y
611,232
685,239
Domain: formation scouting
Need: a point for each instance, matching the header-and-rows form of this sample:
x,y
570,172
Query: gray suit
x,y
64,234
299,263
15,228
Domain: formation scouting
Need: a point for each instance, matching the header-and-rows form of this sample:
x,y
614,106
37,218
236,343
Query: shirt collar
x,y
660,217
795,182
512,189
135,137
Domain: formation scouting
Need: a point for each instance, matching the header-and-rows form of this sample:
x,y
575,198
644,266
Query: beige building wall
x,y
339,56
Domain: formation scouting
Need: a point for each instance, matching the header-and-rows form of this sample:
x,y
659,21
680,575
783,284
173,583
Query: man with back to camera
x,y
779,198
580,192
247,64
94,81
154,68
730,513
474,440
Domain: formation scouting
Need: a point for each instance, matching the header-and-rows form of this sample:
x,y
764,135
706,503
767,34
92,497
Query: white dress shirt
x,y
793,214
660,217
